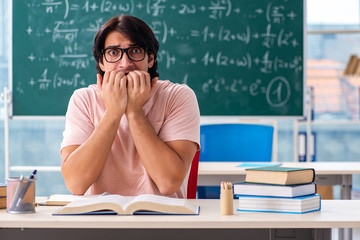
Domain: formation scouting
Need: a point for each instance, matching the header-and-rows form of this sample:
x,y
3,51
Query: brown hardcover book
x,y
280,175
2,202
3,190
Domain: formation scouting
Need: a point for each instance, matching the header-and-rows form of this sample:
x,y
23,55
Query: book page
x,y
68,197
161,204
117,199
158,199
113,203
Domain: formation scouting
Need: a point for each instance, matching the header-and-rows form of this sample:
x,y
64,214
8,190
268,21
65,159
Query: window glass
x,y
333,36
333,12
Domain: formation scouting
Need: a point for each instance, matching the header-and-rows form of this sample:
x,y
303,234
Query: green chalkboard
x,y
241,57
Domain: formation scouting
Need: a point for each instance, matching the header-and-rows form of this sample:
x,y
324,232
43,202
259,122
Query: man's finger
x,y
99,81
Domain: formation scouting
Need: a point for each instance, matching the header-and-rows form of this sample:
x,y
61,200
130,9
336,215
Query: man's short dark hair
x,y
136,30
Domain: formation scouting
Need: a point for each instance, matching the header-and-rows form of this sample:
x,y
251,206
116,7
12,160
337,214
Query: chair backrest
x,y
233,143
236,143
193,177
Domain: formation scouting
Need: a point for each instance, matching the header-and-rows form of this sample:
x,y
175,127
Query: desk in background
x,y
326,173
208,225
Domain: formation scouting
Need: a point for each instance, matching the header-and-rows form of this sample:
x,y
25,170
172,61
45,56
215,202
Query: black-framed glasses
x,y
114,54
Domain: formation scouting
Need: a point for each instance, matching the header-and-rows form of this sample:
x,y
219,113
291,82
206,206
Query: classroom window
x,y
333,35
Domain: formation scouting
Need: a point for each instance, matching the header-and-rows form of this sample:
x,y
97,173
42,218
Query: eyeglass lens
x,y
115,54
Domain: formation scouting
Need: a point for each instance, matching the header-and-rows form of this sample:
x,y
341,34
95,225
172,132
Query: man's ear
x,y
151,61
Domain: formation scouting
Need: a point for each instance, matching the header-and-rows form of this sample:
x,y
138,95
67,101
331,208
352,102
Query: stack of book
x,y
3,195
278,189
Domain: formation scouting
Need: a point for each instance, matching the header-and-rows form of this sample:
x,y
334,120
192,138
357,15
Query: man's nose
x,y
125,62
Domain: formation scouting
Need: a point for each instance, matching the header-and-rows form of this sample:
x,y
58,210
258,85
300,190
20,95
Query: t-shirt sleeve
x,y
182,120
78,126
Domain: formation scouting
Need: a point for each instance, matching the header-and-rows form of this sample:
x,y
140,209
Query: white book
x,y
303,204
274,190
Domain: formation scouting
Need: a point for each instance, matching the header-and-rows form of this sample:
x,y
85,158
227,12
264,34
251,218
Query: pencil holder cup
x,y
20,195
226,198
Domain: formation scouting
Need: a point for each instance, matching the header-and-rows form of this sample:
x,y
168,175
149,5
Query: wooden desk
x,y
208,225
326,173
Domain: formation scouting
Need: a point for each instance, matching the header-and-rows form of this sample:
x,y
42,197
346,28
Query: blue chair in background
x,y
233,143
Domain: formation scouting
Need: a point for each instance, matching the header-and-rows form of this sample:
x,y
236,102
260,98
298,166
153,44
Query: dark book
x,y
280,175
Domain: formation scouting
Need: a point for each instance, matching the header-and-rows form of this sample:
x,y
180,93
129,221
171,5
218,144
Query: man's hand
x,y
113,91
139,90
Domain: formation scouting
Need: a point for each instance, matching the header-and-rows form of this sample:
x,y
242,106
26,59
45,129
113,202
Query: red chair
x,y
193,177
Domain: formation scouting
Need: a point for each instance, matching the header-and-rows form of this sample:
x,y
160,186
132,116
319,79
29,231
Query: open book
x,y
142,204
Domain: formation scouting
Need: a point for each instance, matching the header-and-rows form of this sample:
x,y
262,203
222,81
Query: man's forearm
x,y
166,168
82,167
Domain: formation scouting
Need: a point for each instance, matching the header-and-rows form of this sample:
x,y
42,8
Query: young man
x,y
130,133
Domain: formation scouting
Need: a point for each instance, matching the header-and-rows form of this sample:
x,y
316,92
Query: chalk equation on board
x,y
220,48
277,92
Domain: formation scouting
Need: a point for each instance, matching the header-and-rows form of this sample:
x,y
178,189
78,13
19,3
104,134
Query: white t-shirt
x,y
172,111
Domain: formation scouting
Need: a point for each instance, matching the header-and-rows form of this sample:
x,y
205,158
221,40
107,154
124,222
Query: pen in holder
x,y
226,198
21,194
